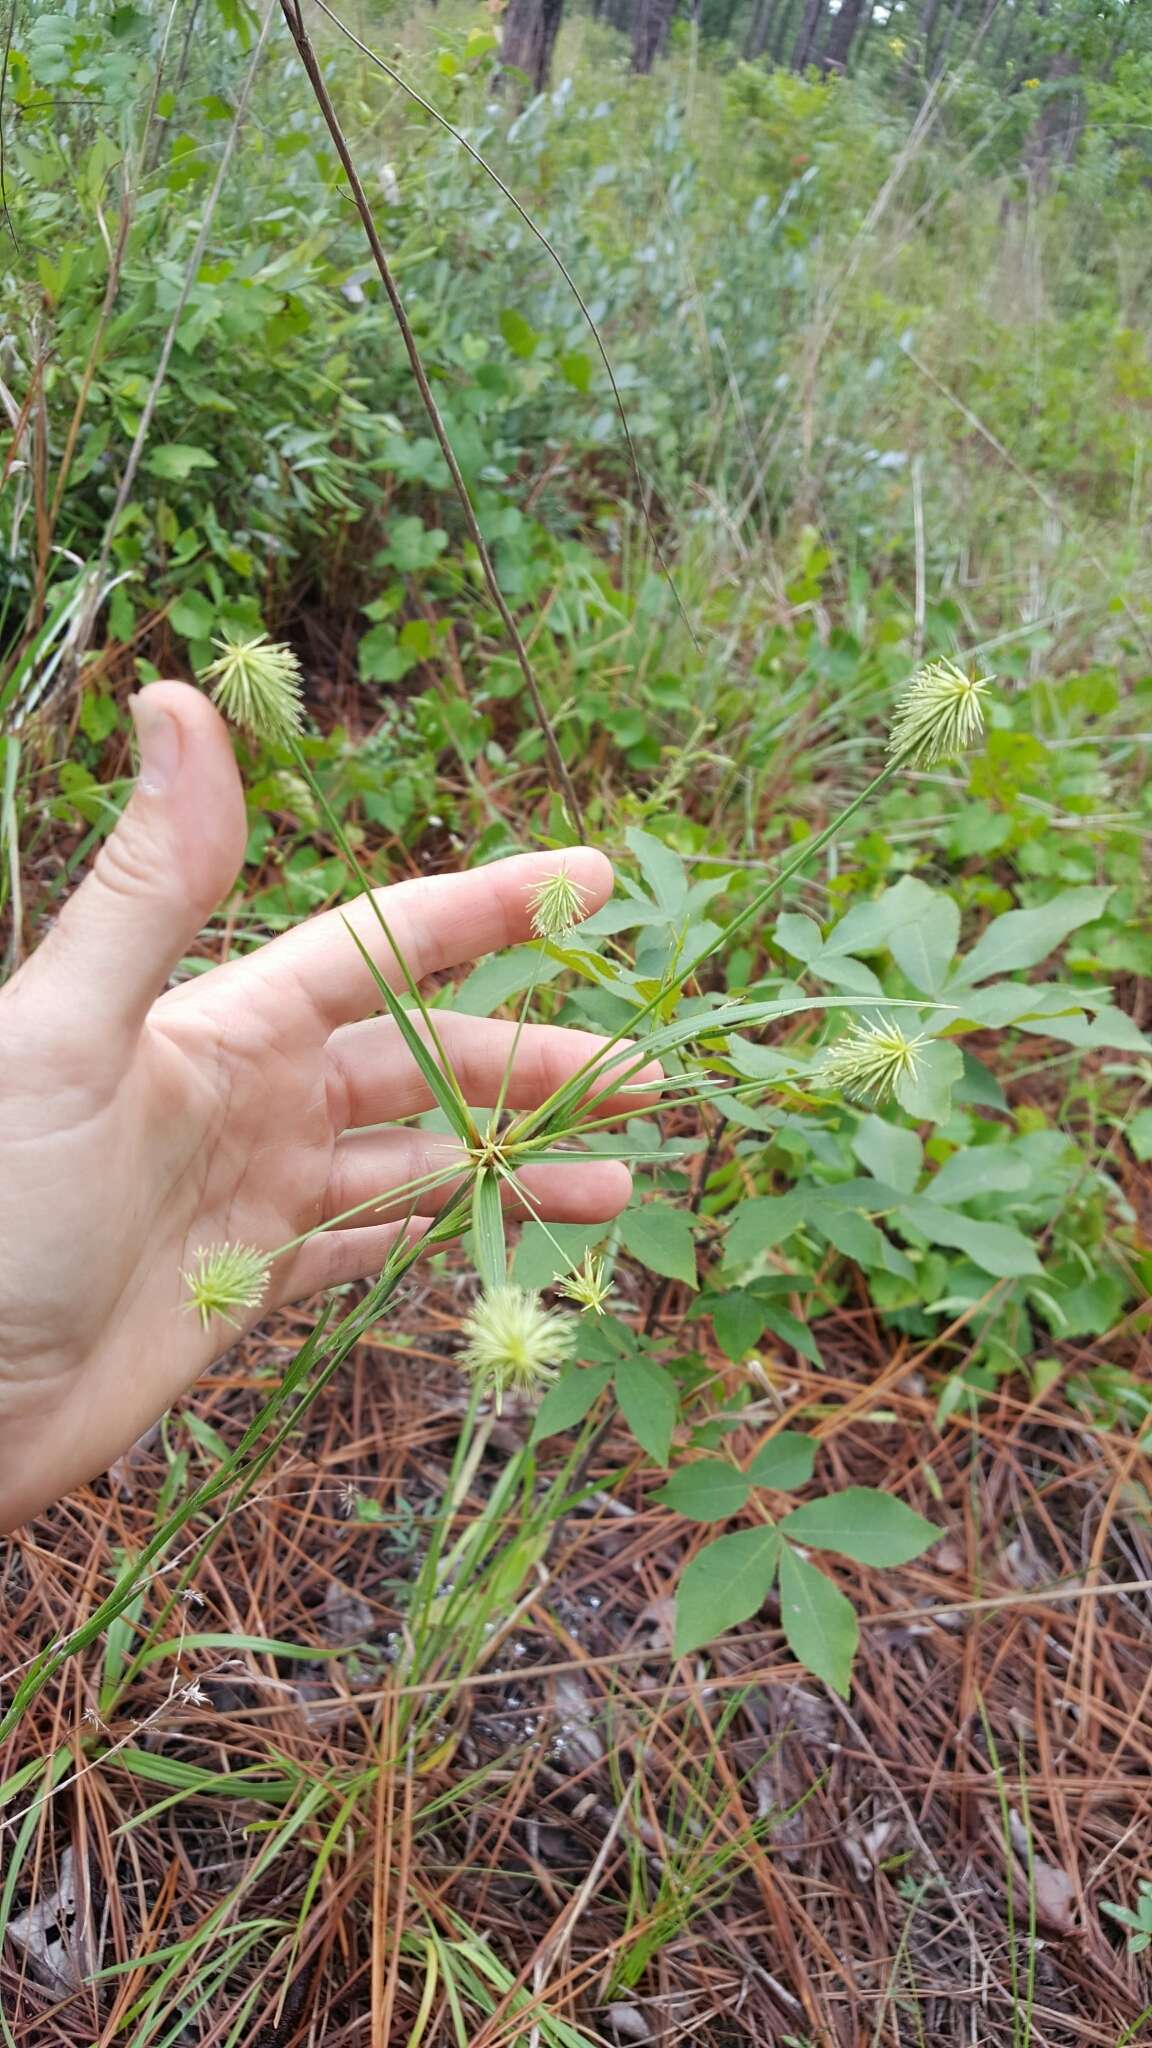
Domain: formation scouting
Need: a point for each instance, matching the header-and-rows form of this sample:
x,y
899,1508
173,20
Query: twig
x,y
293,16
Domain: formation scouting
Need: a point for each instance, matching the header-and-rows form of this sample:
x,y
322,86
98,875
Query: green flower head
x,y
940,713
870,1061
556,904
223,1278
589,1288
257,685
512,1344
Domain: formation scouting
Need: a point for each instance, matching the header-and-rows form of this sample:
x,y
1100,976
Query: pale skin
x,y
247,1104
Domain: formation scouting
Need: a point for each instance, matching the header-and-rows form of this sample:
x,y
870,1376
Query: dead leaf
x,y
628,2023
577,1739
864,1851
347,1616
56,1932
1055,1893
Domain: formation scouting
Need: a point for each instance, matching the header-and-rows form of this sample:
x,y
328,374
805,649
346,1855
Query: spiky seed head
x,y
512,1344
940,713
589,1288
557,905
870,1061
256,683
223,1278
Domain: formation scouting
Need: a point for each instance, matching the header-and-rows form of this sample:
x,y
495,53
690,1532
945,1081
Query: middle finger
x,y
390,1170
373,1079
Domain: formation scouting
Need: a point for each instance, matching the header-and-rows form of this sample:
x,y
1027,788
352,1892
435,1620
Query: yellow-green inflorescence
x,y
588,1287
512,1344
870,1061
224,1278
257,685
557,905
940,713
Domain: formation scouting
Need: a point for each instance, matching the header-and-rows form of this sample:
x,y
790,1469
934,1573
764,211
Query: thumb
x,y
158,877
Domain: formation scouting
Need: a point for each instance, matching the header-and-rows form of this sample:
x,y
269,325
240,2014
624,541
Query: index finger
x,y
435,921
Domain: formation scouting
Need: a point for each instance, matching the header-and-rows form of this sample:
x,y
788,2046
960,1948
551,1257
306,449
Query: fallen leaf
x,y
56,1932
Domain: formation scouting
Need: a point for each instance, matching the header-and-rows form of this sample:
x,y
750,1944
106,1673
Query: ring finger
x,y
385,1175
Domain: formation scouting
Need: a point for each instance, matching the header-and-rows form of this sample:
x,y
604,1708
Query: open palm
x,y
249,1104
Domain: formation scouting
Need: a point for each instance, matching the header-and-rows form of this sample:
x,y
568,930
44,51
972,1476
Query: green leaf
x,y
850,1232
647,1397
889,1152
380,657
707,1492
738,1319
547,1254
505,975
760,1225
864,1524
927,1093
979,1170
791,1330
820,1625
725,1583
923,947
569,1400
488,1229
662,869
519,334
176,461
1109,1030
413,546
1022,938
785,1463
798,936
661,1238
576,369
193,615
1138,1132
868,926
996,1248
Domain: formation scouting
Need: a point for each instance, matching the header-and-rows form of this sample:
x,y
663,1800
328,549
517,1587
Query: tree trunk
x,y
1056,133
842,34
939,58
779,41
650,26
759,29
919,46
866,28
530,31
806,40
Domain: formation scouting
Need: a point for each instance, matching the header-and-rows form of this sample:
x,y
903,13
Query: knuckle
x,y
125,866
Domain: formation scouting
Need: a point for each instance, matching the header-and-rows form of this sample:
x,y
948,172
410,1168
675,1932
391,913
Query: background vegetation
x,y
875,288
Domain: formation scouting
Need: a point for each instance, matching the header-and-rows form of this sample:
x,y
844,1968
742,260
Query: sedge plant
x,y
513,1343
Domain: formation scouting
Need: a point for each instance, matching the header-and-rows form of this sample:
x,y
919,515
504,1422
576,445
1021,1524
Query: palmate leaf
x,y
662,1239
569,1401
820,1625
727,1582
862,1523
648,1403
708,1491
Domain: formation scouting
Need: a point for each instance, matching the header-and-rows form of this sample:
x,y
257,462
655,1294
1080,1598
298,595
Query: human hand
x,y
247,1105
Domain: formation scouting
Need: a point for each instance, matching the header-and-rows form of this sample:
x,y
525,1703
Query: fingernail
x,y
159,737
